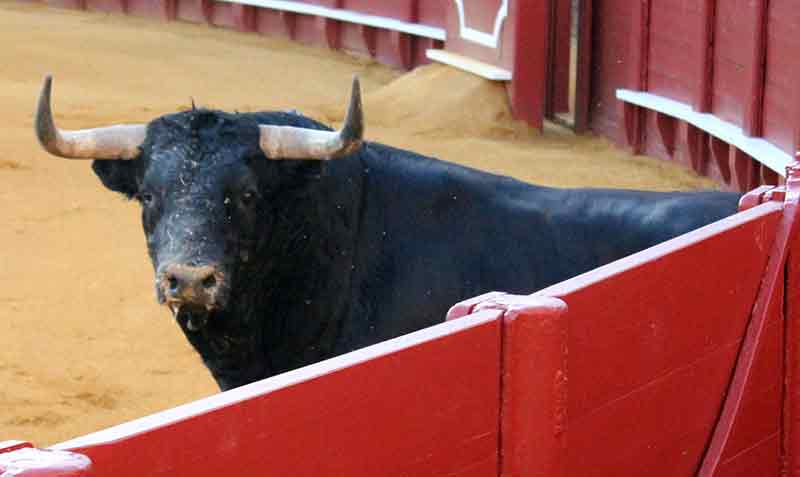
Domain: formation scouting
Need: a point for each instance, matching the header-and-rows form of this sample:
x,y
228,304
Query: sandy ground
x,y
83,344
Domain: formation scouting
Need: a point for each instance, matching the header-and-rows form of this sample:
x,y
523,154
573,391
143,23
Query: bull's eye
x,y
146,198
248,197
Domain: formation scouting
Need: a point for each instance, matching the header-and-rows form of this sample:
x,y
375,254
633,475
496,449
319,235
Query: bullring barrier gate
x,y
679,360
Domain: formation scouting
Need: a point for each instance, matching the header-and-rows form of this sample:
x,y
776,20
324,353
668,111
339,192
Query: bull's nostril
x,y
209,282
173,284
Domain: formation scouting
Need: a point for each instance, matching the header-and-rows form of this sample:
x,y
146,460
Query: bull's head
x,y
200,179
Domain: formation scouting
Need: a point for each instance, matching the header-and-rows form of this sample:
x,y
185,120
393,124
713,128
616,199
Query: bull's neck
x,y
300,291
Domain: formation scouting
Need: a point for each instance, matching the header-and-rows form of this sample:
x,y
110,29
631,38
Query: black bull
x,y
269,265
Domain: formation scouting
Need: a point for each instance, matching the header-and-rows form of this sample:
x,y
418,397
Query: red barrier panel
x,y
635,366
423,404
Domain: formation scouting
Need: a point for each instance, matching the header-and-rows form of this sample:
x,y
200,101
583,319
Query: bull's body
x,y
269,265
392,239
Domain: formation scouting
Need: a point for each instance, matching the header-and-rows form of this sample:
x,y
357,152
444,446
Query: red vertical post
x,y
528,84
583,73
533,425
702,100
637,71
754,101
561,49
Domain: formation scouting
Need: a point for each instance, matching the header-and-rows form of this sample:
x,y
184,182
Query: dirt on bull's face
x,y
83,343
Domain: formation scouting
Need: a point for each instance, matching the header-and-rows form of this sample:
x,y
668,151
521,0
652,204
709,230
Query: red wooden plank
x,y
781,88
651,342
637,72
721,152
610,63
222,14
746,377
161,9
404,10
422,404
754,94
675,34
108,6
244,17
735,20
432,12
196,11
561,37
394,48
583,75
273,22
697,142
528,87
76,4
705,65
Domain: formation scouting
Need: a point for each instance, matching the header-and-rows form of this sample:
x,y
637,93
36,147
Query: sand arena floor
x,y
83,344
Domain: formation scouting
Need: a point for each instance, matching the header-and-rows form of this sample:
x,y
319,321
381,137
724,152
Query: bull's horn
x,y
288,142
113,142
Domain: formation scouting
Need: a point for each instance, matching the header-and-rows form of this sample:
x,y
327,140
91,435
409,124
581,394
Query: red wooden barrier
x,y
633,360
673,355
423,404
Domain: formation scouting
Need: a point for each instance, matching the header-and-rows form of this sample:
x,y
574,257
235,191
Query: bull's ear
x,y
118,175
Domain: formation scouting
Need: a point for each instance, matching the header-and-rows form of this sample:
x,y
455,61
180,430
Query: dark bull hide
x,y
270,260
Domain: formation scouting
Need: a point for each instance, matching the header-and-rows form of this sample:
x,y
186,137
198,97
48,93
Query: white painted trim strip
x,y
479,68
760,149
275,383
492,40
348,16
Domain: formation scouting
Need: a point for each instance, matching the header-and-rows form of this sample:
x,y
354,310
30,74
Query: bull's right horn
x,y
289,142
112,142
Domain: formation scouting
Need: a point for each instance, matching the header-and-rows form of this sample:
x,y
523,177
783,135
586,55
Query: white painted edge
x,y
275,383
349,16
479,68
492,40
763,151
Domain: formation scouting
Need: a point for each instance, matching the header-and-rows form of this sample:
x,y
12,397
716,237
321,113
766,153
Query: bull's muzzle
x,y
193,289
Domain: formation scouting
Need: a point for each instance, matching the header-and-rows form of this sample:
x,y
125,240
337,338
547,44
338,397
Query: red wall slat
x,y
643,361
404,10
432,12
675,32
610,64
781,85
110,6
424,404
735,25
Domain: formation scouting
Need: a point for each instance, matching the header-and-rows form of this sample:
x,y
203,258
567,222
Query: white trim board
x,y
760,149
479,68
492,40
348,16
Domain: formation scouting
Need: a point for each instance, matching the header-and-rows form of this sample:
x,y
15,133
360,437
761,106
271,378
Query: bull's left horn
x,y
112,142
288,142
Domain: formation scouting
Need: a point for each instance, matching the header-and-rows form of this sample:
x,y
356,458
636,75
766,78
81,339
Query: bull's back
x,y
435,233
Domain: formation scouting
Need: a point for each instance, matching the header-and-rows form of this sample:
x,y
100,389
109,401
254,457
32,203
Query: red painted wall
x,y
782,76
733,58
